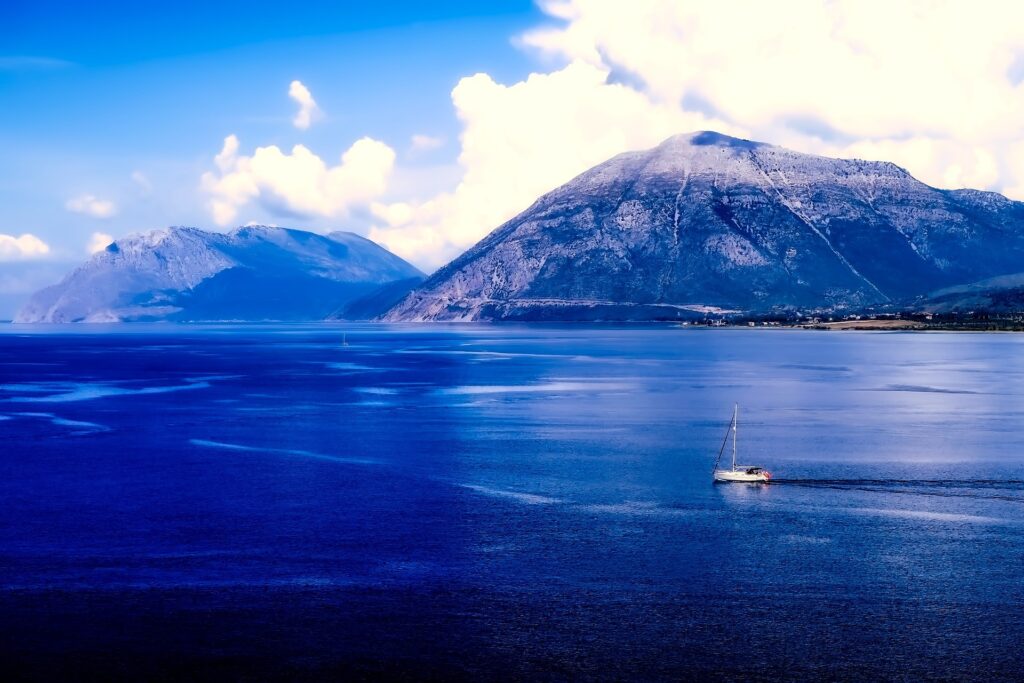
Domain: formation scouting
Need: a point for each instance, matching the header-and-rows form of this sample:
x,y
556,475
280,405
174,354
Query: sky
x,y
426,125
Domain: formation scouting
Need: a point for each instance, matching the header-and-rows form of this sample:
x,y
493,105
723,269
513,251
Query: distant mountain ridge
x,y
251,273
707,222
1000,295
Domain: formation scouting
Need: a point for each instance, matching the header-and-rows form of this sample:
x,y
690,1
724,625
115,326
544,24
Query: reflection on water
x,y
531,501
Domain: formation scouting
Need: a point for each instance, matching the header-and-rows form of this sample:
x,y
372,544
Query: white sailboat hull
x,y
741,475
747,474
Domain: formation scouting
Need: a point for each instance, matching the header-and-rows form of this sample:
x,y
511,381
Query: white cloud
x,y
943,163
91,205
929,81
520,141
308,109
1015,161
142,182
99,241
425,143
298,182
933,86
25,246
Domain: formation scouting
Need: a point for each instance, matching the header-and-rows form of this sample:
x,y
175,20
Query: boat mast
x,y
721,451
735,425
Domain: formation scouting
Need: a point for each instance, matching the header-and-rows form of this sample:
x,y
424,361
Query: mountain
x,y
706,222
999,295
251,273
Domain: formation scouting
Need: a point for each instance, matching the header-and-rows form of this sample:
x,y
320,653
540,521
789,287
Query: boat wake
x,y
989,489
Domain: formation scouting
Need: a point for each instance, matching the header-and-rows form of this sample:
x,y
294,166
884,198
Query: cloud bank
x,y
927,84
520,141
936,87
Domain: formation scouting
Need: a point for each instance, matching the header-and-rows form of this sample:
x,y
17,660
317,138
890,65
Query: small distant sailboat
x,y
344,339
741,473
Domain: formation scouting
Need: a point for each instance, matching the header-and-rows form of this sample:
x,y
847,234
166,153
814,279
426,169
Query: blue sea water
x,y
508,502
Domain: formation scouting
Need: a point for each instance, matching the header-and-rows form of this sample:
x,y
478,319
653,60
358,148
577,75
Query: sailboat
x,y
741,473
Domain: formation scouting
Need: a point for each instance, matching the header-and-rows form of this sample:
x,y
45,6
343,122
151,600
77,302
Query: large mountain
x,y
252,273
704,221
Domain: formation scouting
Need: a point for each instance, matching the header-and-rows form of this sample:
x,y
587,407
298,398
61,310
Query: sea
x,y
508,502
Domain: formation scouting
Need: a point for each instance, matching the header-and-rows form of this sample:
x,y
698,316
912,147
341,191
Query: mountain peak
x,y
710,138
706,221
250,273
158,235
256,229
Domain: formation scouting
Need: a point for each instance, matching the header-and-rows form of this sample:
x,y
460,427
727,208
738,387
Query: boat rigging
x,y
752,474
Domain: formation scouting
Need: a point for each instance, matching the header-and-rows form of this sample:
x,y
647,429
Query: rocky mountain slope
x,y
251,273
999,295
706,222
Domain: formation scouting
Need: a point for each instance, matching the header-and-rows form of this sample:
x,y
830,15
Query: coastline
x,y
917,323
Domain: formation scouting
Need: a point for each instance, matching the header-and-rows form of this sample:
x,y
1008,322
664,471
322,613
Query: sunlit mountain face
x,y
706,222
252,273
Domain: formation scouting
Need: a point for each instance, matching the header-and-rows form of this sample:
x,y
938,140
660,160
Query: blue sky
x,y
91,93
432,123
128,104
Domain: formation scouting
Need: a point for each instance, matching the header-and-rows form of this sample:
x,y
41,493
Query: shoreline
x,y
836,326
